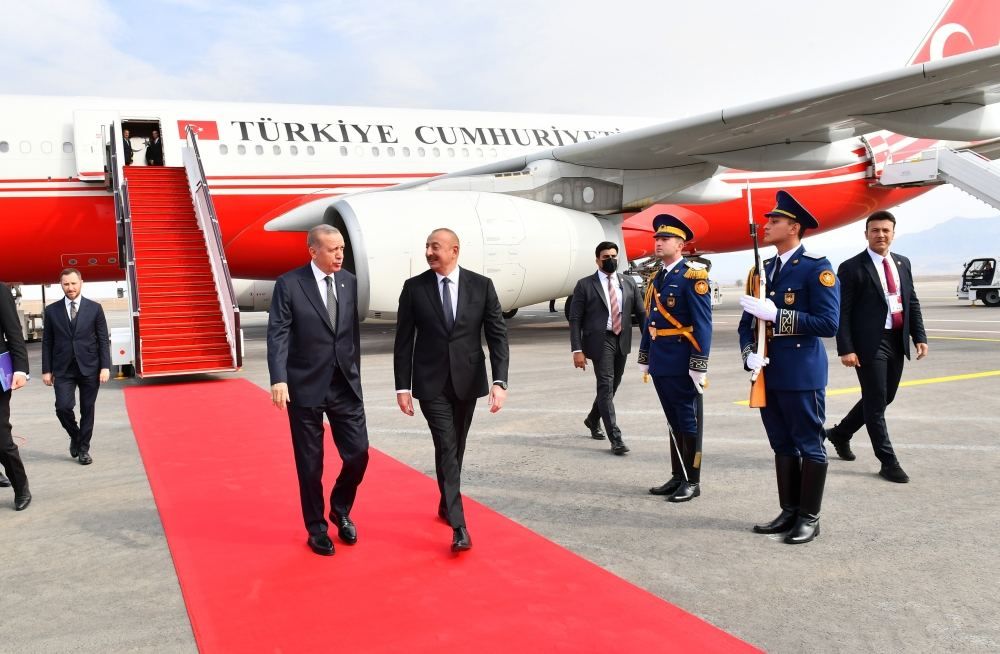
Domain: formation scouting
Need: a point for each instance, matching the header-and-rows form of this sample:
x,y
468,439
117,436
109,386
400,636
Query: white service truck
x,y
980,281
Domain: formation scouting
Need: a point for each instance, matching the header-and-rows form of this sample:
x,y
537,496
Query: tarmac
x,y
898,567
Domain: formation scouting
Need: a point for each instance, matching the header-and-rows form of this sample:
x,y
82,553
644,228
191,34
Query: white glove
x,y
698,378
644,368
756,361
762,309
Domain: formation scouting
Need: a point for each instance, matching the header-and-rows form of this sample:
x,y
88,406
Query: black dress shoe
x,y
894,473
461,541
686,492
805,529
21,502
667,488
595,429
618,448
85,459
4,482
784,522
842,445
346,529
321,544
73,452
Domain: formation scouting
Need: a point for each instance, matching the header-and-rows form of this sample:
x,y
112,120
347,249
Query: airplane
x,y
529,195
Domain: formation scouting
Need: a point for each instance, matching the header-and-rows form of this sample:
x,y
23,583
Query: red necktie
x,y
616,314
890,283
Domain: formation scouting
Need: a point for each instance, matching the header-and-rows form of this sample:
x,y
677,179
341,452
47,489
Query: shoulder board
x,y
811,255
698,272
695,264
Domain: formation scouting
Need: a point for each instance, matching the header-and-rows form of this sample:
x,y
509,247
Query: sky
x,y
655,58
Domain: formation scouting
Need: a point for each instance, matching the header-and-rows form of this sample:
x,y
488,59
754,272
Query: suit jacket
x,y
85,340
425,353
154,153
303,348
863,307
128,152
11,338
808,301
589,312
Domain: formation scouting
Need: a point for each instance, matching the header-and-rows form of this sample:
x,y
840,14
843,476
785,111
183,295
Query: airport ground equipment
x,y
980,281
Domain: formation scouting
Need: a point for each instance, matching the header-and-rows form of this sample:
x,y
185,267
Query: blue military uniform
x,y
806,294
676,339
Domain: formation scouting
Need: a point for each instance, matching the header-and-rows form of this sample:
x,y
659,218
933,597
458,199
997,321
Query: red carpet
x,y
219,461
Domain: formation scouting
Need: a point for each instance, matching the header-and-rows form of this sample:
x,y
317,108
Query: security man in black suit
x,y
438,358
879,315
314,360
76,354
12,344
600,329
676,341
154,151
127,146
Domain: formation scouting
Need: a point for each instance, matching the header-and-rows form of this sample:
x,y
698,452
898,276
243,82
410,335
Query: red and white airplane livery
x,y
529,195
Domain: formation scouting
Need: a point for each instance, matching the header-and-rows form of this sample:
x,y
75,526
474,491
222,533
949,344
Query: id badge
x,y
895,303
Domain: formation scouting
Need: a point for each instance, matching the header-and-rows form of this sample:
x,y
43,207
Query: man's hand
x,y
850,360
579,361
497,397
921,351
762,309
105,375
20,379
755,361
405,402
47,378
699,379
279,395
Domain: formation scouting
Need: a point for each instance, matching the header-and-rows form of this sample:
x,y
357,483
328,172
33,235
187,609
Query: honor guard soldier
x,y
676,339
802,306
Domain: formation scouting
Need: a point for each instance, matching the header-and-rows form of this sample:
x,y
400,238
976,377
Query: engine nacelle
x,y
532,251
253,294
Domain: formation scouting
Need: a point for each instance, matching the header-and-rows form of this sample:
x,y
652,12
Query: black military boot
x,y
788,471
807,524
676,475
690,489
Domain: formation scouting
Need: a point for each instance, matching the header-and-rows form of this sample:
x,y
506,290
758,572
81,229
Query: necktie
x,y
777,269
616,314
890,284
449,311
331,302
72,311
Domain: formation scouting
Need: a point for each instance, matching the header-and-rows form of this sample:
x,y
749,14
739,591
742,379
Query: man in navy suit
x,y
76,354
879,316
154,151
801,308
438,358
314,360
12,344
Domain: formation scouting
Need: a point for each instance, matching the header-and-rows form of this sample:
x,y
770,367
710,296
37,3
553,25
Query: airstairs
x,y
963,169
185,318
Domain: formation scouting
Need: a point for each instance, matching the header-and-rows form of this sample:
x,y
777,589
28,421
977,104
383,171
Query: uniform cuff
x,y
787,323
643,357
698,363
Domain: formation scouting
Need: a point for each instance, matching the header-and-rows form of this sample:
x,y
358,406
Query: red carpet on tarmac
x,y
219,460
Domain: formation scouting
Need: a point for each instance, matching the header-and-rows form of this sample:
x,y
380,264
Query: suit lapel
x,y
599,285
309,286
434,297
904,280
464,296
869,266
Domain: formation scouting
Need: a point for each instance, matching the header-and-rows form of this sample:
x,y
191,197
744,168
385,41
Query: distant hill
x,y
943,249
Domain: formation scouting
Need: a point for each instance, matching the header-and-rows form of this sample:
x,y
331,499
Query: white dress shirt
x,y
67,302
321,282
603,278
453,277
880,269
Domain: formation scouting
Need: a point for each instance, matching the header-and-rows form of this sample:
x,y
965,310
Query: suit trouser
x,y
65,386
879,381
10,457
346,413
608,369
449,419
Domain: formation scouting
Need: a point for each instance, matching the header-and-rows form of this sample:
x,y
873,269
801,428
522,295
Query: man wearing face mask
x,y
600,329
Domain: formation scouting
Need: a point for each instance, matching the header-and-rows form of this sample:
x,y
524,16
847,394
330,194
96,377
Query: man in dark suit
x,y
76,354
879,315
12,344
438,359
600,329
314,360
127,147
154,151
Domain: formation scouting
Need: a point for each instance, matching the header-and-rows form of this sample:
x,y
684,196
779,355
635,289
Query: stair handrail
x,y
123,224
205,213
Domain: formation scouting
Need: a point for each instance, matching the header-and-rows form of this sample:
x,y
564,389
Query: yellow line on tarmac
x,y
964,338
912,382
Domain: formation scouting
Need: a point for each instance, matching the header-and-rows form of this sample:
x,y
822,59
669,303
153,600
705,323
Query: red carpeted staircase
x,y
181,328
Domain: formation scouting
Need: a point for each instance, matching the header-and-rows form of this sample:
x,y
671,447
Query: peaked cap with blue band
x,y
667,225
789,207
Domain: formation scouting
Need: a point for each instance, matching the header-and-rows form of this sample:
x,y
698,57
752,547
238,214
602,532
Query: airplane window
x,y
557,198
479,152
4,146
493,153
223,148
242,149
25,147
310,150
406,152
588,194
391,152
436,152
465,152
46,147
68,147
360,151
374,151
259,149
421,152
451,152
293,149
277,149
343,150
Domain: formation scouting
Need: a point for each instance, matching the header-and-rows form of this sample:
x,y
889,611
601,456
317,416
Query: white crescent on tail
x,y
941,36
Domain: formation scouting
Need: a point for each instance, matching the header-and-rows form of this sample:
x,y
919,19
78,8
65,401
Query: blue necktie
x,y
449,312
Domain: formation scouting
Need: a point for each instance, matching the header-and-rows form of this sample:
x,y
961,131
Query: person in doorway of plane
x,y
154,151
13,361
127,146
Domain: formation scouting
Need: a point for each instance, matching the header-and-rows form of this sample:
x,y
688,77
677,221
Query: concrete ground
x,y
897,568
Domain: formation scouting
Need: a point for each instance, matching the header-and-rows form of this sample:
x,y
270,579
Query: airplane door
x,y
89,139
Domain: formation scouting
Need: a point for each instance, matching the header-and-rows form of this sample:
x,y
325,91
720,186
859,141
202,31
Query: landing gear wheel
x,y
509,314
991,298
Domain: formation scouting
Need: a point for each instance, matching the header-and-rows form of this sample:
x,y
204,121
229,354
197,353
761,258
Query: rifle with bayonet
x,y
757,287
